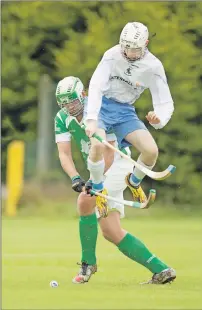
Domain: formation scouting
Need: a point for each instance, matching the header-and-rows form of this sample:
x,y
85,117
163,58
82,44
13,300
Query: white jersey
x,y
118,79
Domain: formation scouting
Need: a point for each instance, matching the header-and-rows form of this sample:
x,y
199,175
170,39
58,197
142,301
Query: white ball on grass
x,y
53,283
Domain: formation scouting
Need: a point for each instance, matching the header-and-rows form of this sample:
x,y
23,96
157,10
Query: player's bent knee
x,y
96,151
85,204
97,146
84,200
151,154
154,152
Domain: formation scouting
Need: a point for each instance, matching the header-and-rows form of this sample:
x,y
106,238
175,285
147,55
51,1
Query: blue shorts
x,y
121,118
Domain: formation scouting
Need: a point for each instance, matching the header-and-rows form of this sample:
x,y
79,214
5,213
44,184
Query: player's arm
x,y
161,99
67,163
63,140
98,84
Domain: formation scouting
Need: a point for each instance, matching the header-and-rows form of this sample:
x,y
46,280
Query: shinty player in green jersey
x,y
72,100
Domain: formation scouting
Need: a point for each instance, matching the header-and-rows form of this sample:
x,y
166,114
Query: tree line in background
x,y
69,38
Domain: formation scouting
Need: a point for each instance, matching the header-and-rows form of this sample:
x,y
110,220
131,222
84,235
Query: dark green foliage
x,y
69,38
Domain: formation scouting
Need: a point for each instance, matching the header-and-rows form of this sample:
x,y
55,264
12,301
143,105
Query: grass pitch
x,y
36,251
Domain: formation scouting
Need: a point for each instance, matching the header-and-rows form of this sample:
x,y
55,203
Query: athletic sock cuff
x,y
95,164
89,219
124,241
142,164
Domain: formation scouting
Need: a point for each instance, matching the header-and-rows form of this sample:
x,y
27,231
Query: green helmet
x,y
70,90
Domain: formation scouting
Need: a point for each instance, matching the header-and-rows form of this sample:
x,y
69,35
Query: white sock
x,y
96,170
137,176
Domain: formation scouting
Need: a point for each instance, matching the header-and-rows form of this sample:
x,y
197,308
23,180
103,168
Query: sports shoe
x,y
85,273
163,277
101,204
137,191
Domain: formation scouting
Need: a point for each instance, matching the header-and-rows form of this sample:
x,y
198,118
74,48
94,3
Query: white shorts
x,y
115,182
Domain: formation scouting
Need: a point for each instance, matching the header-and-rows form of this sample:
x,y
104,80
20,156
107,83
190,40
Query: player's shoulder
x,y
114,53
61,116
154,62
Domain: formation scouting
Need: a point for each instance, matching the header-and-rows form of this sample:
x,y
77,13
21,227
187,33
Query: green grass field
x,y
36,251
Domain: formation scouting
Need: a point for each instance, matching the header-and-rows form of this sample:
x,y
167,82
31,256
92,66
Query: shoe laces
x,y
158,278
84,267
155,278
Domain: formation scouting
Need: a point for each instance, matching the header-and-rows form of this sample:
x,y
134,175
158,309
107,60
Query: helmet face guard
x,y
132,54
70,96
73,108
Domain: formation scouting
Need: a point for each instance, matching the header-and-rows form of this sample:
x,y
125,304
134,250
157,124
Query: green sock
x,y
137,251
88,236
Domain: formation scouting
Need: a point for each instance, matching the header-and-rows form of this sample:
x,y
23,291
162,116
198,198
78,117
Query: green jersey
x,y
67,127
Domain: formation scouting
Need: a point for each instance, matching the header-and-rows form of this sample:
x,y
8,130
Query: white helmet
x,y
133,39
70,95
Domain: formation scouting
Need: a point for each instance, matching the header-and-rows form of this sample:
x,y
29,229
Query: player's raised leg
x,y
96,166
143,141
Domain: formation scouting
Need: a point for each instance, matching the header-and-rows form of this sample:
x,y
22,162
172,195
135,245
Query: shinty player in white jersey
x,y
71,99
124,72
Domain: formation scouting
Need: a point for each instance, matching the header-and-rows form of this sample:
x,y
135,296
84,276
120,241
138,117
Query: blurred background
x,y
42,42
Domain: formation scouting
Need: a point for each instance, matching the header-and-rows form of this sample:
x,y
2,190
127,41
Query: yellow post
x,y
14,175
